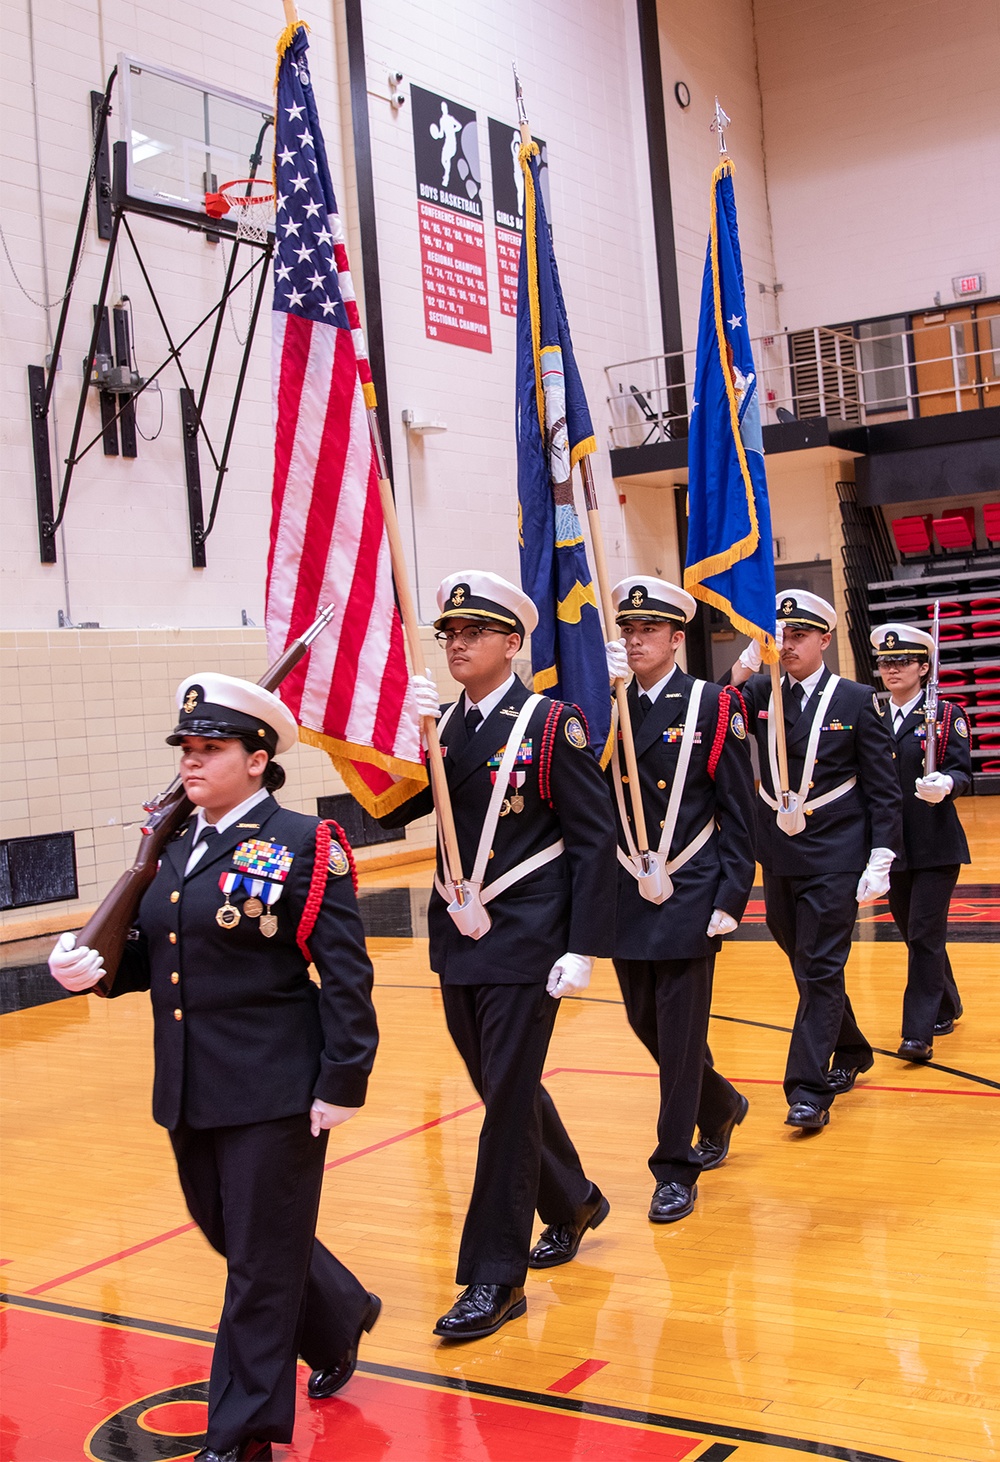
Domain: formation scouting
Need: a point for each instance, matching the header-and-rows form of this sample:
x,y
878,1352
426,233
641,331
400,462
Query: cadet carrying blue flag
x,y
730,552
554,432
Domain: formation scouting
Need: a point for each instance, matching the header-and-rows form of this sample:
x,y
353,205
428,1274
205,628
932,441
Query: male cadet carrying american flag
x,y
534,827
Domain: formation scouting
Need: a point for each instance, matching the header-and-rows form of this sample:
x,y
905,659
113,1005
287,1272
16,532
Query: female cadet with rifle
x,y
254,1062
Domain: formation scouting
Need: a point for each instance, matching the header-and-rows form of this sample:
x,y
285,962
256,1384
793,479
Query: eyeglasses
x,y
469,635
889,662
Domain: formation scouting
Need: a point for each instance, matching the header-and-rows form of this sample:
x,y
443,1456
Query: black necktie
x,y
473,720
793,705
643,707
207,833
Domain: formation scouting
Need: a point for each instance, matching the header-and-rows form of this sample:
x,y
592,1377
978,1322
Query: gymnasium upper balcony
x,y
915,398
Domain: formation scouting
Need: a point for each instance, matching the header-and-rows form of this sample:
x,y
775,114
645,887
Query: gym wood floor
x,y
831,1295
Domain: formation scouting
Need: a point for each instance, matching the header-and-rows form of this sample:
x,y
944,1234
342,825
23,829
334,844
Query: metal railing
x,y
805,374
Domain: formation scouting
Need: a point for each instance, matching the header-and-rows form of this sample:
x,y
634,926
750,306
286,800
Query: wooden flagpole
x,y
604,588
411,629
779,736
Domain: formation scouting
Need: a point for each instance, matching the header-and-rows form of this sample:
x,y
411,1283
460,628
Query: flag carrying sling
x,y
328,540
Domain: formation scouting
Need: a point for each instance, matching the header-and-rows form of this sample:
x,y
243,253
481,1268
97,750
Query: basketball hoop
x,y
254,209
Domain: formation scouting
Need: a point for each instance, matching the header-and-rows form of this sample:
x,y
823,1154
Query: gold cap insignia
x,y
458,595
891,640
191,700
788,606
638,596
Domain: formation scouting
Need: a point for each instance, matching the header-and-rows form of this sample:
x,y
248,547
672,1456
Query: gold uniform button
x,y
661,824
809,812
491,852
174,896
625,779
178,1015
811,785
172,937
661,785
175,978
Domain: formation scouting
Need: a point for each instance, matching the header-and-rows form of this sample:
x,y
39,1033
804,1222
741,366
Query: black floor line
x,y
488,1388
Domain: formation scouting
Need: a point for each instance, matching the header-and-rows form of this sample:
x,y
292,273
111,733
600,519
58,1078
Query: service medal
x,y
517,803
228,916
269,925
253,908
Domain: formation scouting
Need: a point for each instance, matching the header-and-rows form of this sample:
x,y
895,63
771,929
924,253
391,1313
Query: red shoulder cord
x,y
722,724
317,884
548,746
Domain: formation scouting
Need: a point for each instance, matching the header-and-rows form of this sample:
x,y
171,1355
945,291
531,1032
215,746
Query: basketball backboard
x,y
184,136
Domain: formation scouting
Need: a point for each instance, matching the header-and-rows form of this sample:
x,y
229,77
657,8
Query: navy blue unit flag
x,y
730,551
554,431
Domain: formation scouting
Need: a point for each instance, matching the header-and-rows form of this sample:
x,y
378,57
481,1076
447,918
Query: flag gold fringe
x,y
412,774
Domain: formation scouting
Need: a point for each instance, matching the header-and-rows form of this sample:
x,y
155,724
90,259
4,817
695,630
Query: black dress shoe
x,y
807,1115
672,1201
842,1078
480,1310
329,1379
559,1241
251,1450
918,1051
947,1025
712,1148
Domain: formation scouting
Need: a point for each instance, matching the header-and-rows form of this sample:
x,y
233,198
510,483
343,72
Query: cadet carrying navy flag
x,y
554,432
730,552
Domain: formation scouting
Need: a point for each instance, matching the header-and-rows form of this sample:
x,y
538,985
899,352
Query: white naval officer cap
x,y
477,594
223,706
641,597
801,610
901,639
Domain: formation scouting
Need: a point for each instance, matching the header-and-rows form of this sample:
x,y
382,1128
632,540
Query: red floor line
x,y
100,1263
187,1227
576,1377
771,1081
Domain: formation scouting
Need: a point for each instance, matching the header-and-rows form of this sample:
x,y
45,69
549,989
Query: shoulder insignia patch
x,y
737,727
575,734
961,726
879,709
337,862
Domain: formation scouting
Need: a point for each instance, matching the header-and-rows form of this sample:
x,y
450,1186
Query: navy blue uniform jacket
x,y
568,906
932,832
720,875
855,741
241,1034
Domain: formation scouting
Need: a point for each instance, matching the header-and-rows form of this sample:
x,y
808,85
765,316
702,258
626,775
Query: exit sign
x,y
968,284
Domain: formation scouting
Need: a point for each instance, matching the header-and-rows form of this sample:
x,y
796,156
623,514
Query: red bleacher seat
x,y
913,535
957,528
991,521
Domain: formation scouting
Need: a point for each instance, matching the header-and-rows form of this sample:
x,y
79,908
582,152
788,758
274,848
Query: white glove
x,y
75,968
721,923
874,882
617,658
425,693
572,972
934,788
751,658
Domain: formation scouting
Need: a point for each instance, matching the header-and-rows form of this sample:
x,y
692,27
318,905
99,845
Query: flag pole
x,y
604,588
408,614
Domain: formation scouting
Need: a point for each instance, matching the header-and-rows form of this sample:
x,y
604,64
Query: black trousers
x,y
919,900
812,919
254,1193
668,1002
526,1159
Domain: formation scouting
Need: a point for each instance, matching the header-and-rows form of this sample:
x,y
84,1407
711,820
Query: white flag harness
x,y
793,821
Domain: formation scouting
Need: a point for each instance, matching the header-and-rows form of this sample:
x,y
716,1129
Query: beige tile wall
x,y
83,714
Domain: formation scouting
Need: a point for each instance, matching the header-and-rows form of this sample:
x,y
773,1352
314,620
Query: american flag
x,y
350,695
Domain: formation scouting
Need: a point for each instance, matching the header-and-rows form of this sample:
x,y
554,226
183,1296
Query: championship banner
x,y
329,545
450,211
730,551
508,204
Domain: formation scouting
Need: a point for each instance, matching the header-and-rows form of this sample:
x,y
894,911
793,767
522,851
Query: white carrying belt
x,y
794,820
470,916
632,861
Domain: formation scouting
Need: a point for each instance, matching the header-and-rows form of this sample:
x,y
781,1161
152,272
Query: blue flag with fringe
x,y
730,551
554,431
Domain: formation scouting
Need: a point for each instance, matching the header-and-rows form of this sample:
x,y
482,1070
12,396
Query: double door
x,y
956,358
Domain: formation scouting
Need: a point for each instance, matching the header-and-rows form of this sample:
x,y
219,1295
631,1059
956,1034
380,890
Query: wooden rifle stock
x,y
107,930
